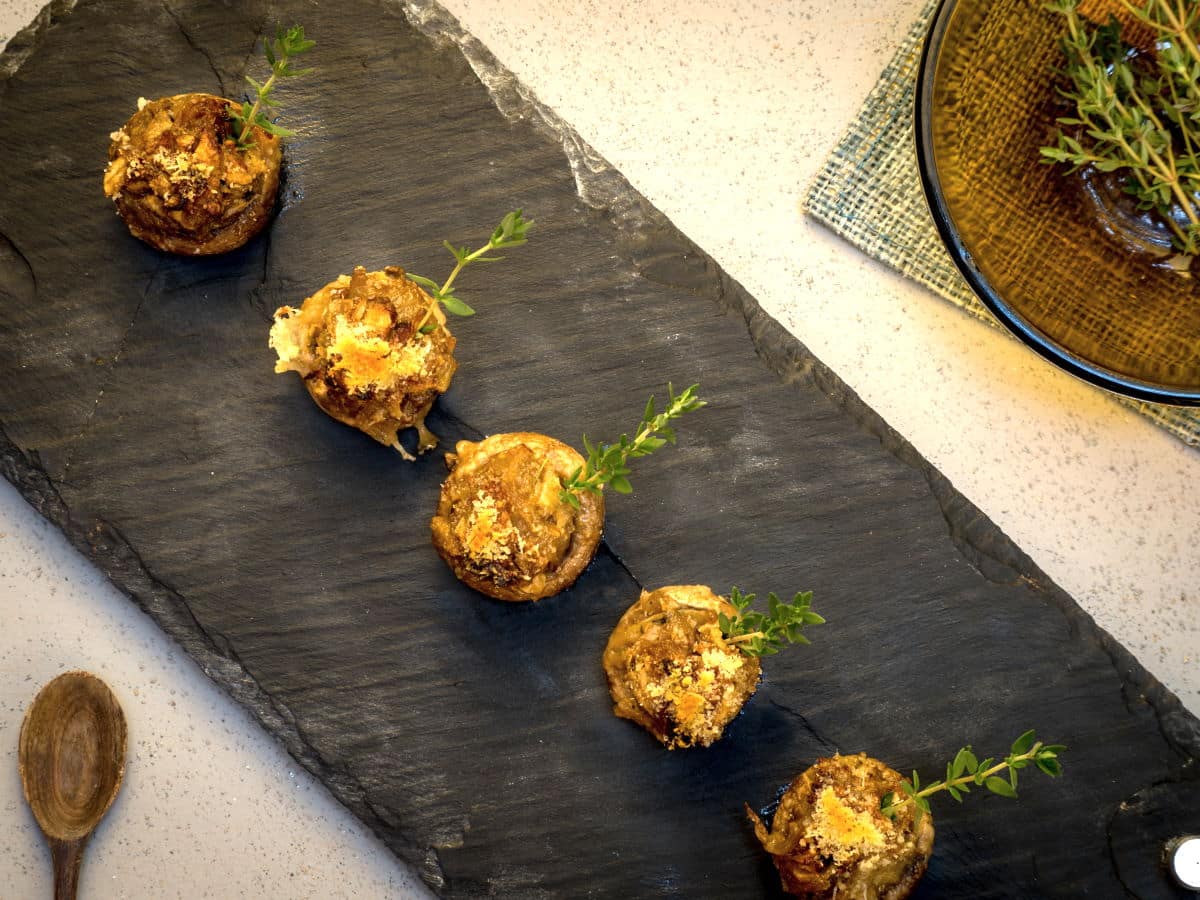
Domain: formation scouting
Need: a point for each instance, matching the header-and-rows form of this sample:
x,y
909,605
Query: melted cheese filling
x,y
368,360
364,359
286,335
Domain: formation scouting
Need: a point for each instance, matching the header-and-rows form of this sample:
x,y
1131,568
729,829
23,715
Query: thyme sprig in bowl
x,y
1043,247
1137,113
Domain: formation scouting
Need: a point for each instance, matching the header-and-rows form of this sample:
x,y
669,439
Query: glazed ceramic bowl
x,y
1064,262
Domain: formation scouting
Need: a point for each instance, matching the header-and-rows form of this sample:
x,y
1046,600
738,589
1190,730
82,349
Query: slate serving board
x,y
290,555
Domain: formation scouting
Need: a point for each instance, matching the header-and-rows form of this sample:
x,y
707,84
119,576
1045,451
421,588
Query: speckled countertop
x,y
720,113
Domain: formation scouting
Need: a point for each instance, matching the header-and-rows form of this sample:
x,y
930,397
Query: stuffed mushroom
x,y
182,183
520,515
360,346
671,670
830,839
503,525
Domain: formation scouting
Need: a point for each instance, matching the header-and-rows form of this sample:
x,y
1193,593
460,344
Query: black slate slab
x,y
290,556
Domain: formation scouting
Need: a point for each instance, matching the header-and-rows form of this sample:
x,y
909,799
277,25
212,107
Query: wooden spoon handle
x,y
67,855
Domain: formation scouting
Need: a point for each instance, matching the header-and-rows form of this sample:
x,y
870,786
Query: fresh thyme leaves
x,y
966,770
1136,117
509,233
607,464
756,634
279,53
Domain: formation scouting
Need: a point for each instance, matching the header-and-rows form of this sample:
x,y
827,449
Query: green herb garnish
x,y
607,464
756,634
279,53
966,770
509,233
1134,117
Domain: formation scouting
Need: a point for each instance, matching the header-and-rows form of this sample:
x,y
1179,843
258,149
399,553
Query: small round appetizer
x,y
502,525
671,670
181,183
829,837
196,174
520,515
850,826
373,347
682,661
365,360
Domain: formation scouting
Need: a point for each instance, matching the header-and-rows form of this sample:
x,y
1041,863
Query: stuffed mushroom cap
x,y
670,669
829,838
502,526
358,346
180,182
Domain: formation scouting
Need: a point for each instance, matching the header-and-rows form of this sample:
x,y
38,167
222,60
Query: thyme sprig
x,y
607,464
279,53
756,634
1138,121
966,771
509,233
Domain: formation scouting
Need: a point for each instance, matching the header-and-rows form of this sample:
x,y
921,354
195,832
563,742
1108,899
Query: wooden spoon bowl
x,y
71,758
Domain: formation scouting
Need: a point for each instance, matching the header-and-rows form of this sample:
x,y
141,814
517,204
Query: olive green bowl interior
x,y
1035,245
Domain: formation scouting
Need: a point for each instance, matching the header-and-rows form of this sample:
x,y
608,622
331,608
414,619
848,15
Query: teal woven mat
x,y
869,192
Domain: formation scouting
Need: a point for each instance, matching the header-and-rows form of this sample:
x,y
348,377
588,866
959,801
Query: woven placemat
x,y
869,192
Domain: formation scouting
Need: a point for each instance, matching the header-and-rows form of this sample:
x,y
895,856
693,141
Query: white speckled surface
x,y
720,114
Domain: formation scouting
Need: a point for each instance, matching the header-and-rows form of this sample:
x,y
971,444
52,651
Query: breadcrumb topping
x,y
183,170
839,830
516,526
693,692
487,532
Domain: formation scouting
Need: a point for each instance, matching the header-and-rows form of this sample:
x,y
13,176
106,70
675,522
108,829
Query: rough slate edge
x,y
869,192
634,218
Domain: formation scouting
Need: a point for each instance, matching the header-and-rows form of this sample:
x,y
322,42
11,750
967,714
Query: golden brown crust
x,y
830,840
500,524
670,670
357,345
180,183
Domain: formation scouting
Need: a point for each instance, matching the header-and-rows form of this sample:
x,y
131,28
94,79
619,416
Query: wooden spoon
x,y
72,758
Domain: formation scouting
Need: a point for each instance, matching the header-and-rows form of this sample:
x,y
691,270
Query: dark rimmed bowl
x,y
1055,258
